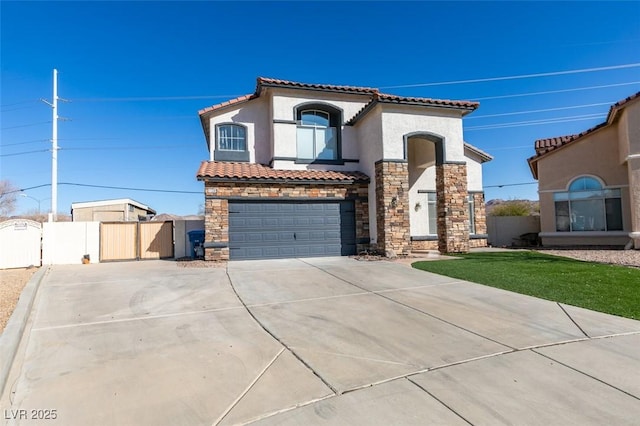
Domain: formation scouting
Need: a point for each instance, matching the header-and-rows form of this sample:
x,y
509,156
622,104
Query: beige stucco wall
x,y
474,172
369,136
253,115
283,106
596,155
400,121
109,213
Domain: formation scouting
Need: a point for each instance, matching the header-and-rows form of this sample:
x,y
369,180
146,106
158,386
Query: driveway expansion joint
x,y
572,320
377,293
284,345
248,388
440,401
586,374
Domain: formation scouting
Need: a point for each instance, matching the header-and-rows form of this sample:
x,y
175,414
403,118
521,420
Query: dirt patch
x,y
191,263
12,281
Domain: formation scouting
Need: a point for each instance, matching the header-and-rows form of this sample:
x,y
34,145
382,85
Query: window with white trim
x,y
232,137
317,135
587,206
472,214
432,213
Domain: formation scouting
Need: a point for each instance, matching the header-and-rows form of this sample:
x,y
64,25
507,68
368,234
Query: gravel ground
x,y
12,281
616,257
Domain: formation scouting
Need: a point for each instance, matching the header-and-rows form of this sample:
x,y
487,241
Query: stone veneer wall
x,y
480,217
216,228
452,207
424,245
392,207
217,206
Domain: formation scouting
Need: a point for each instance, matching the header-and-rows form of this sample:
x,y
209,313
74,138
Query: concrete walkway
x,y
312,341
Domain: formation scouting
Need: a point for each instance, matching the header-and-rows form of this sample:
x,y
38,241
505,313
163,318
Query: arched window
x,y
231,143
587,206
318,133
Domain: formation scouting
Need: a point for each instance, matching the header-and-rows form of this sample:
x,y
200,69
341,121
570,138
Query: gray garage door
x,y
263,230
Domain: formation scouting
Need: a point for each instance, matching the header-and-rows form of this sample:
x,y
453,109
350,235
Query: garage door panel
x,y
291,229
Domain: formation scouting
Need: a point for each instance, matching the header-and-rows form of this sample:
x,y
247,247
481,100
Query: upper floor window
x,y
231,143
587,206
317,134
232,137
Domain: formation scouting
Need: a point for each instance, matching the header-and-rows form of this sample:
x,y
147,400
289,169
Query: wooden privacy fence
x,y
136,240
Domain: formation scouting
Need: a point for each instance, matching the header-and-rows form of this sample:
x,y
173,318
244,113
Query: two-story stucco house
x,y
300,169
589,183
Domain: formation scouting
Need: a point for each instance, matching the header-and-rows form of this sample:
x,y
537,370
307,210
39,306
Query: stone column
x,y
634,199
453,207
392,207
216,230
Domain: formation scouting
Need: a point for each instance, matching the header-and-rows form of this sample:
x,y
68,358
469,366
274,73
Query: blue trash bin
x,y
196,238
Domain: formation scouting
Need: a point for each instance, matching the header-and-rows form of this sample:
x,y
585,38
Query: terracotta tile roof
x,y
237,100
373,92
259,172
405,100
383,97
545,146
273,82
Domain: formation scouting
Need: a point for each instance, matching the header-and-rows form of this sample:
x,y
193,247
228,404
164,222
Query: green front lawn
x,y
605,288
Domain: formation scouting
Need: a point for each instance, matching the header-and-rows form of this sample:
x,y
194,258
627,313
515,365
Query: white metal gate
x,y
20,243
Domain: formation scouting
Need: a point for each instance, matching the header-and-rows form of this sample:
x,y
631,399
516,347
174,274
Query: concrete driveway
x,y
312,341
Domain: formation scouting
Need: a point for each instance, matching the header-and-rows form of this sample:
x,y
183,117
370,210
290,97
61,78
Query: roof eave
x,y
533,166
280,180
484,156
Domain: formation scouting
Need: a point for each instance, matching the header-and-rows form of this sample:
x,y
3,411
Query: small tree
x,y
8,193
512,208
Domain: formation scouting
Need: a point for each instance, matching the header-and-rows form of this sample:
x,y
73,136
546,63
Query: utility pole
x,y
54,149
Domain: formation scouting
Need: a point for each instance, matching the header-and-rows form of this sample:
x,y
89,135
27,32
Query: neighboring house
x,y
120,210
300,169
589,183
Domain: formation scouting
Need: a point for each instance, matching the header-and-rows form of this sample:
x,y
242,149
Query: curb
x,y
12,334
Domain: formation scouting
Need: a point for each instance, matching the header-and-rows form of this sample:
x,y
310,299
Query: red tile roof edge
x,y
274,82
362,90
407,100
230,102
259,172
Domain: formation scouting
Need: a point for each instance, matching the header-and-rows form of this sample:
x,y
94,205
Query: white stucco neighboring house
x,y
298,169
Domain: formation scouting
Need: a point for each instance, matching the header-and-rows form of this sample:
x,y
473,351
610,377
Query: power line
x,y
511,184
540,110
19,103
152,98
536,122
503,148
27,189
173,191
108,148
515,77
26,125
24,143
603,86
24,153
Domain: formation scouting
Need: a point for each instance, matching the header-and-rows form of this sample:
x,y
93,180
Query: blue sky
x,y
190,55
